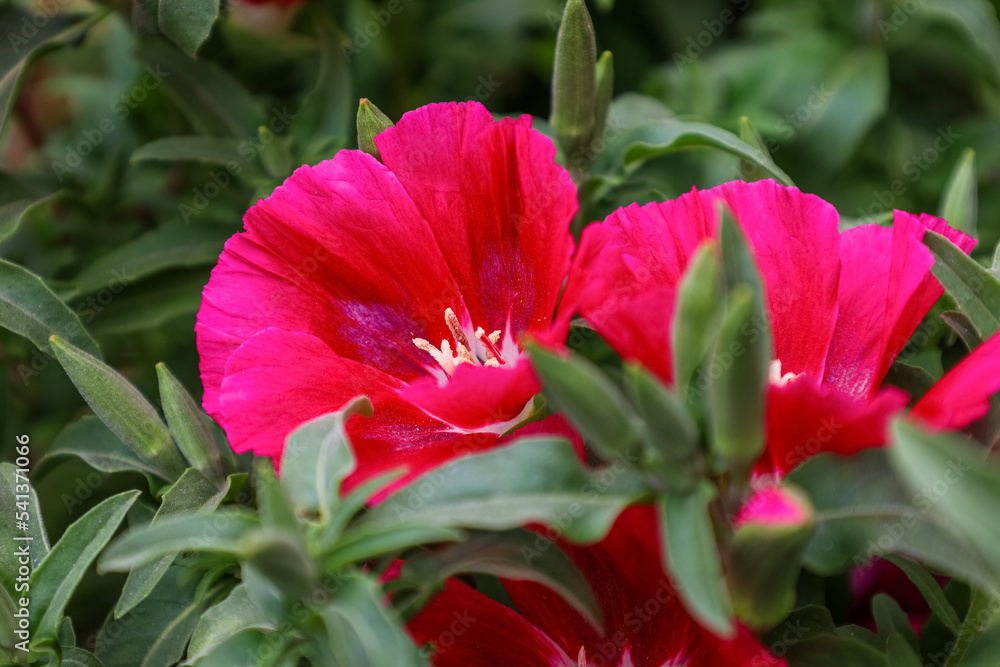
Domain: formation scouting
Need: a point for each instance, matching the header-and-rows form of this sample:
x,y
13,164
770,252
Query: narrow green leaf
x,y
275,510
120,406
321,124
207,150
362,632
281,558
520,555
362,544
736,398
975,290
214,102
960,203
189,426
77,657
649,140
156,632
192,493
670,435
55,579
188,24
371,121
168,247
534,480
929,588
234,614
863,510
692,558
93,442
19,503
596,407
605,88
59,30
318,457
29,308
962,325
970,498
834,651
890,619
17,201
698,313
218,532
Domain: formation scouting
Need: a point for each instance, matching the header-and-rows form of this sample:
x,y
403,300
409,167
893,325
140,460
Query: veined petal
x,y
476,397
297,377
794,239
499,205
323,256
805,418
466,628
886,289
963,394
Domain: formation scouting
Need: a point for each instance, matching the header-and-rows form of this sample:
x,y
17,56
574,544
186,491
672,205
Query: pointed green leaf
x,y
29,308
533,480
275,511
670,435
120,406
207,150
371,121
215,103
20,52
234,614
189,426
187,24
93,442
929,588
192,493
515,554
863,510
55,579
16,201
14,482
698,313
959,205
156,632
589,399
890,619
971,496
318,457
218,532
692,558
975,290
321,124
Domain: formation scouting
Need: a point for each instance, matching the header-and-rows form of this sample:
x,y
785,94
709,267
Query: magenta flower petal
x,y
467,628
646,624
963,394
476,397
401,276
497,203
805,417
792,235
882,299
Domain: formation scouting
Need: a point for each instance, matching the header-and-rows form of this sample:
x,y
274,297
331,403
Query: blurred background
x,y
126,163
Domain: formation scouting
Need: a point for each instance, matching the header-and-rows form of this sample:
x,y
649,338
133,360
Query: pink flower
x,y
412,282
645,622
842,306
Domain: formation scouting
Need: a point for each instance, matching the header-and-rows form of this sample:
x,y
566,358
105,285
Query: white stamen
x,y
448,360
581,658
775,377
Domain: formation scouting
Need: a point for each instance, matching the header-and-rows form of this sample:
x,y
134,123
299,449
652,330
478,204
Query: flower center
x,y
486,353
775,376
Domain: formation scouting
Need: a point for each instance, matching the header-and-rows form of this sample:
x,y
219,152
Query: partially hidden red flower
x,y
841,305
646,624
412,281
